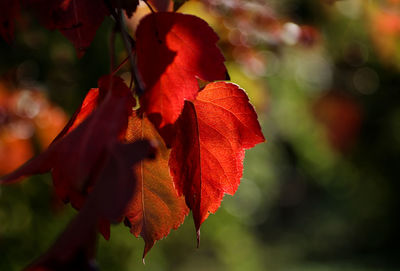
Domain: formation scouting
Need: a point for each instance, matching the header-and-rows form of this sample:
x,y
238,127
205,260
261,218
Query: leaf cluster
x,y
147,153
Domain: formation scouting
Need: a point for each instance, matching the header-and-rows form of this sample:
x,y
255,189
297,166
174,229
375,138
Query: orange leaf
x,y
155,208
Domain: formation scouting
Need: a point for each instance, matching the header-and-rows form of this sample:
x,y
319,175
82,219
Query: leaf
x,y
79,151
83,112
117,181
9,10
77,20
75,248
207,156
155,208
78,154
41,164
174,51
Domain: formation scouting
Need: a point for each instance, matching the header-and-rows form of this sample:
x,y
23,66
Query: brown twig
x,y
129,44
149,6
120,65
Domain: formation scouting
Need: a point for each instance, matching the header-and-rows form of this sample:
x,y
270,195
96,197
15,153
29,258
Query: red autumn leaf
x,y
39,164
174,51
207,156
75,156
155,208
77,20
75,248
83,112
9,10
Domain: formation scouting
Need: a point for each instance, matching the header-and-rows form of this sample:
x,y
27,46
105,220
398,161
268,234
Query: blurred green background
x,y
321,194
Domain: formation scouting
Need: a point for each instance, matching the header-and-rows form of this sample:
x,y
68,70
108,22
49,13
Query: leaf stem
x,y
149,6
120,65
129,44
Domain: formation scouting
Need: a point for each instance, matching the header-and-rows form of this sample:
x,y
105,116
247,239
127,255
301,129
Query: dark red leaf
x,y
155,208
77,20
85,109
207,156
174,51
78,152
75,248
117,182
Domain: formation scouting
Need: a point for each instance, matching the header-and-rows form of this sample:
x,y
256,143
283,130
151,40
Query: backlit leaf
x,y
174,51
207,156
155,208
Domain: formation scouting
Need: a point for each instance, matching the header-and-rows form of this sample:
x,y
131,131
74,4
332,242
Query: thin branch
x,y
129,44
120,65
127,40
149,6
